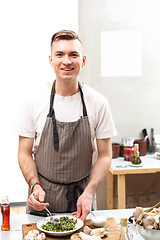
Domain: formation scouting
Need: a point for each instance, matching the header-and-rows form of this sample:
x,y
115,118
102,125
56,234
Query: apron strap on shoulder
x,y
82,98
55,132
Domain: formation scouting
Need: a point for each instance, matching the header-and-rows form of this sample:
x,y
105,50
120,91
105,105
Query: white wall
x,y
134,100
26,30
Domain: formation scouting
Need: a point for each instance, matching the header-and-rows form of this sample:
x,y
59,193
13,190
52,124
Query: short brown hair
x,y
64,35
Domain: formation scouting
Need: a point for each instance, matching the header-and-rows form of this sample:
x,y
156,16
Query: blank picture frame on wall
x,y
121,54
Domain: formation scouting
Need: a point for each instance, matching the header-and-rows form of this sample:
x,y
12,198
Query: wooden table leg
x,y
121,192
109,190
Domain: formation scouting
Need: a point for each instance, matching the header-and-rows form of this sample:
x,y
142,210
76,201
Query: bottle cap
x,y
124,222
5,199
136,146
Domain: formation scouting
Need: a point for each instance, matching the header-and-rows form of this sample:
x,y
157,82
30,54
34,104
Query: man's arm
x,y
29,171
98,173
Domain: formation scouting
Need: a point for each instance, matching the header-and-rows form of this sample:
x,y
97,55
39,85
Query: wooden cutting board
x,y
111,226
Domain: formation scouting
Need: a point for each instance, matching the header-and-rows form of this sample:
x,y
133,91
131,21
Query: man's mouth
x,y
67,69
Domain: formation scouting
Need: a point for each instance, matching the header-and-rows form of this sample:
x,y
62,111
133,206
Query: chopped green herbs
x,y
64,224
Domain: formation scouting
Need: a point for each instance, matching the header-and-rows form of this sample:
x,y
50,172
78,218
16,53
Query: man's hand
x,y
84,205
38,204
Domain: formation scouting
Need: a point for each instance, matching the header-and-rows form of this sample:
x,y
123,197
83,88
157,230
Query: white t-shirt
x,y
33,114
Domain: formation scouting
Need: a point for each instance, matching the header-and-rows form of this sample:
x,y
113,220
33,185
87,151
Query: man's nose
x,y
66,60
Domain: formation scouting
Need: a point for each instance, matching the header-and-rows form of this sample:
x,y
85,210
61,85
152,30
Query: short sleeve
x,y
24,123
105,127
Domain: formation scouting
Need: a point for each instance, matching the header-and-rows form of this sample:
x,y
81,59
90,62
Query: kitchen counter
x,y
15,232
121,168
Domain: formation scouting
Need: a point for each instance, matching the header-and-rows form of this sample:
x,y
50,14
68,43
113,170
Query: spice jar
x,y
128,154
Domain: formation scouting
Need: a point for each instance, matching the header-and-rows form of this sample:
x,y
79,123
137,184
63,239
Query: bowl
x,y
79,225
99,221
148,234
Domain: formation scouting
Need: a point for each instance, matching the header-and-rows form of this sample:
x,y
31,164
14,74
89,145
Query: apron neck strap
x,y
52,100
52,114
82,98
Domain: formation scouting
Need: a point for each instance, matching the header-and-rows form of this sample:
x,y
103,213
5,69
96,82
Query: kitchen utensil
x,y
50,214
142,146
152,140
157,155
153,234
37,213
115,150
148,234
135,165
128,142
93,214
78,225
145,134
99,221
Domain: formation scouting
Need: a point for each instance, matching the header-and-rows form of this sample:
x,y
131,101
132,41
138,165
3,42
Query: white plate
x,y
79,224
135,165
148,234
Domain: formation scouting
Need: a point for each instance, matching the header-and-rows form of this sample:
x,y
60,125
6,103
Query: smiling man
x,y
63,132
67,59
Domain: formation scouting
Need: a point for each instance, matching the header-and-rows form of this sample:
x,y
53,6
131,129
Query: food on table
x,y
148,219
136,160
100,232
63,224
84,236
75,236
87,230
35,235
88,233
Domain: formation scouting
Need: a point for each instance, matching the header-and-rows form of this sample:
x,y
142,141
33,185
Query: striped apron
x,y
64,159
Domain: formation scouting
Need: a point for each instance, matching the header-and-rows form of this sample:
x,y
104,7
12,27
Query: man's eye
x,y
58,54
74,55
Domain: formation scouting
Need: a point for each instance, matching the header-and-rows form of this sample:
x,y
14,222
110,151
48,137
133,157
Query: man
x,y
60,171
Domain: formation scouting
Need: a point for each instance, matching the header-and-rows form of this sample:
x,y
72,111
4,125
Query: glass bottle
x,y
125,233
136,159
5,210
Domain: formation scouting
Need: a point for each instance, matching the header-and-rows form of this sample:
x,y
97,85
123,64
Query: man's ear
x,y
84,61
50,59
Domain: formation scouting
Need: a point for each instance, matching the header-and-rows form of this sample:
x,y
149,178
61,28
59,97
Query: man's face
x,y
67,59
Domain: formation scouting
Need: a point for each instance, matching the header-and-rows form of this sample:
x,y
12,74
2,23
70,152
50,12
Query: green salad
x,y
63,224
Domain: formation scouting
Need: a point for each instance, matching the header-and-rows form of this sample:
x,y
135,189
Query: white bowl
x,y
99,221
79,224
148,234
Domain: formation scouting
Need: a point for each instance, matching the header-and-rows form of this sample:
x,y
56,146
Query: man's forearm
x,y
101,165
28,168
98,173
26,162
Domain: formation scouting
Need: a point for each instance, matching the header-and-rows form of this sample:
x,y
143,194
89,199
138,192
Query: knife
x,y
145,134
152,140
36,213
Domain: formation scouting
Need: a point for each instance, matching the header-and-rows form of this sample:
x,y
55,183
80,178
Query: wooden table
x,y
120,168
